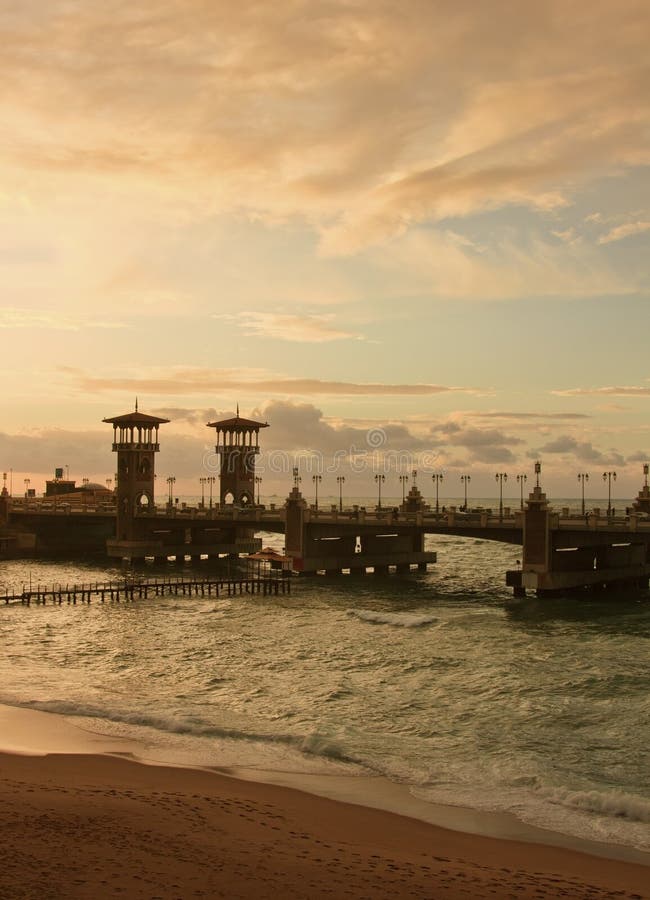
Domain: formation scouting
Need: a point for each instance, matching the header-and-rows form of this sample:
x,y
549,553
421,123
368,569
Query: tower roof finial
x,y
136,404
237,410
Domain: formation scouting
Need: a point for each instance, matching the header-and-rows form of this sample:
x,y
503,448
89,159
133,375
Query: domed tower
x,y
238,445
135,440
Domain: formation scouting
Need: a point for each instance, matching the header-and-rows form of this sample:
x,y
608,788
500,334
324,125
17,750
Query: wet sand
x,y
86,820
88,826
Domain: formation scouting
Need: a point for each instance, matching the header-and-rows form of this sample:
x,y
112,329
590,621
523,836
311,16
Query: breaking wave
x,y
613,804
399,620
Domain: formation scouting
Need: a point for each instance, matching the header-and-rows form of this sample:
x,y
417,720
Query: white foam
x,y
613,803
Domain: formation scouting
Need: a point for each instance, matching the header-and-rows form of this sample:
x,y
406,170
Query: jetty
x,y
562,550
129,589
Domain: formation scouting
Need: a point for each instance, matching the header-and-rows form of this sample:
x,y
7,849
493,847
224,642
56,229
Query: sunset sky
x,y
417,228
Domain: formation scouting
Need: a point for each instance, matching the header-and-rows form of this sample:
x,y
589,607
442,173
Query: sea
x,y
439,682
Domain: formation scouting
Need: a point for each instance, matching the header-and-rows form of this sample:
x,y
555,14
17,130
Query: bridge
x,y
560,551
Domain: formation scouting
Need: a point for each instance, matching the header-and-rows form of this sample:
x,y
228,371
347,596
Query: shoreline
x,y
61,768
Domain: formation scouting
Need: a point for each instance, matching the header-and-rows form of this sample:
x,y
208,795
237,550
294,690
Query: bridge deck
x,y
262,519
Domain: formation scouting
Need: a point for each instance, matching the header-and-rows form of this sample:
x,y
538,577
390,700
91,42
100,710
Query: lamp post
x,y
501,477
403,479
582,477
646,468
211,481
27,481
171,481
85,482
538,469
607,476
380,479
109,482
317,480
202,482
258,482
465,479
296,477
414,475
436,480
521,481
341,481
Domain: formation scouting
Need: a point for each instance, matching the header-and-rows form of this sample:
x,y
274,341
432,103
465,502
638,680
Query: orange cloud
x,y
182,381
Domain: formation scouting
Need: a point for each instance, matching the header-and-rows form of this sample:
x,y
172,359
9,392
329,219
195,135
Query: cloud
x,y
622,231
639,456
620,391
515,416
184,380
290,327
427,263
484,445
86,452
581,450
45,319
275,109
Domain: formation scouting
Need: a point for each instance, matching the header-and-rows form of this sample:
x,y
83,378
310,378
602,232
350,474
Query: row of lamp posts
x,y
380,479
500,477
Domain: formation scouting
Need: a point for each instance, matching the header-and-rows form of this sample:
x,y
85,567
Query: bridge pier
x,y
355,540
567,555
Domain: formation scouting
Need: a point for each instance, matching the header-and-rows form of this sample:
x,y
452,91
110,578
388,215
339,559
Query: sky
x,y
408,235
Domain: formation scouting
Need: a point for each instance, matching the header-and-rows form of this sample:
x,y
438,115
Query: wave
x,y
399,620
613,803
313,744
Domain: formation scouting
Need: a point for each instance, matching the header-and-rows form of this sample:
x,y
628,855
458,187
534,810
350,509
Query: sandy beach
x,y
101,824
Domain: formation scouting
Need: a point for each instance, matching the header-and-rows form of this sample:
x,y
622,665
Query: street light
x,y
211,481
607,476
414,475
465,479
645,474
296,477
258,481
403,479
521,481
582,477
538,469
202,482
317,480
341,481
437,479
171,481
501,477
380,479
28,481
85,481
109,482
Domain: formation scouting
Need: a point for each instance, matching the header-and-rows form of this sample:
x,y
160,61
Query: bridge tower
x,y
238,445
4,501
642,502
135,440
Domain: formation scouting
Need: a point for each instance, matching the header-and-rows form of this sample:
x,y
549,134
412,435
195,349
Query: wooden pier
x,y
133,589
